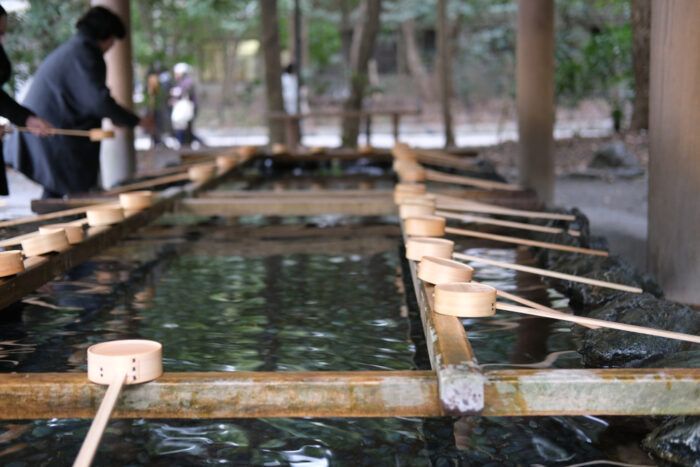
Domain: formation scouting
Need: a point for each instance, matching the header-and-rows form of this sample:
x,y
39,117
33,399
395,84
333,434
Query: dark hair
x,y
291,69
100,24
2,11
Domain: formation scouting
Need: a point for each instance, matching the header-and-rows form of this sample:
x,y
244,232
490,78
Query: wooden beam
x,y
289,206
354,394
227,395
622,391
674,149
535,95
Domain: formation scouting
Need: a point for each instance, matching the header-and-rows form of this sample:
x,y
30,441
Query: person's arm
x,y
89,89
22,116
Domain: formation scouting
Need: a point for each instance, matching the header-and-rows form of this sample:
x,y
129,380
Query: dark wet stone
x,y
686,359
676,442
611,348
613,155
606,268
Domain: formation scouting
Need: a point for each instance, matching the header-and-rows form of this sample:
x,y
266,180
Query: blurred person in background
x,y
185,105
69,91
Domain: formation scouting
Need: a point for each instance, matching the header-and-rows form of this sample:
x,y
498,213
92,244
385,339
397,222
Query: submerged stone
x,y
676,441
611,348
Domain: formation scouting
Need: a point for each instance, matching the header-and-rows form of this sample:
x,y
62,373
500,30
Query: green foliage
x,y
171,31
593,53
34,33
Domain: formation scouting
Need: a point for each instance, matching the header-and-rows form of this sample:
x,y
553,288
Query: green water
x,y
283,299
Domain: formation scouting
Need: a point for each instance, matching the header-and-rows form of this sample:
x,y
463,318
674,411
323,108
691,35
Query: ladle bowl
x,y
425,226
11,263
465,299
418,247
104,215
53,240
201,173
139,359
435,270
136,200
74,232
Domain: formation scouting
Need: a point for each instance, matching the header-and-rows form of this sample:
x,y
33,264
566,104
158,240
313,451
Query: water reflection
x,y
283,311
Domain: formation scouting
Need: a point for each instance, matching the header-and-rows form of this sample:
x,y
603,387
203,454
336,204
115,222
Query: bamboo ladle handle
x,y
436,176
547,273
511,224
598,322
524,241
470,300
97,428
458,204
95,134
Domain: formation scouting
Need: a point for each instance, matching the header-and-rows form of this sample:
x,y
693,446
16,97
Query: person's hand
x,y
38,126
147,122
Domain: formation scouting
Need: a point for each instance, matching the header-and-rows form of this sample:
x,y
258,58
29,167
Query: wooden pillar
x,y
117,155
535,95
674,149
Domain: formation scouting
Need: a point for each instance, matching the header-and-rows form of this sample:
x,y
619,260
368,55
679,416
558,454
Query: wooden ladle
x,y
469,300
116,363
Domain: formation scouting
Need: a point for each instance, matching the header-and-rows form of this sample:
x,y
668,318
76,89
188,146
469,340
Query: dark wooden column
x,y
117,156
674,149
535,95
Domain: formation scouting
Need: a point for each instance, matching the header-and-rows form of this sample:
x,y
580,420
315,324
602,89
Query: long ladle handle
x,y
598,322
547,273
524,241
92,440
512,224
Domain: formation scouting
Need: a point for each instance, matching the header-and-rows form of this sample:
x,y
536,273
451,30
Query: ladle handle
x,y
522,241
92,440
547,273
598,322
436,176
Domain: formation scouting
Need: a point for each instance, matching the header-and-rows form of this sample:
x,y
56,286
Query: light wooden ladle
x,y
430,226
116,363
469,300
95,134
417,247
428,208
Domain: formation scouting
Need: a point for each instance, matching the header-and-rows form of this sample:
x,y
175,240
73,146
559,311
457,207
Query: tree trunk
x,y
227,86
445,63
345,33
362,50
414,61
641,33
273,68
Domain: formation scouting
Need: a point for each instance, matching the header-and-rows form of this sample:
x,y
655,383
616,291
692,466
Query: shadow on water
x,y
281,295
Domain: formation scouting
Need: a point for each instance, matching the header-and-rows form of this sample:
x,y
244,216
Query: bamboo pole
x,y
524,241
458,204
599,322
97,428
503,223
436,176
547,273
49,216
148,183
95,134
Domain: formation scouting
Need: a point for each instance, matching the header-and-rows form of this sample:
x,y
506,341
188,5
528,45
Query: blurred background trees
x,y
221,40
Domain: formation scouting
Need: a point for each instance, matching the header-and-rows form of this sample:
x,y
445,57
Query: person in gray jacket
x,y
69,91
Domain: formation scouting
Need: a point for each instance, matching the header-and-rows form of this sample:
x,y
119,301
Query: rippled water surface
x,y
284,299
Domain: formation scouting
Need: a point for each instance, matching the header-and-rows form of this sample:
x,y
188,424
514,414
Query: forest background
x,y
594,65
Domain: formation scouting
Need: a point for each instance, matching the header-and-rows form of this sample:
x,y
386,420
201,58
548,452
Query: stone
x,y
677,441
611,348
